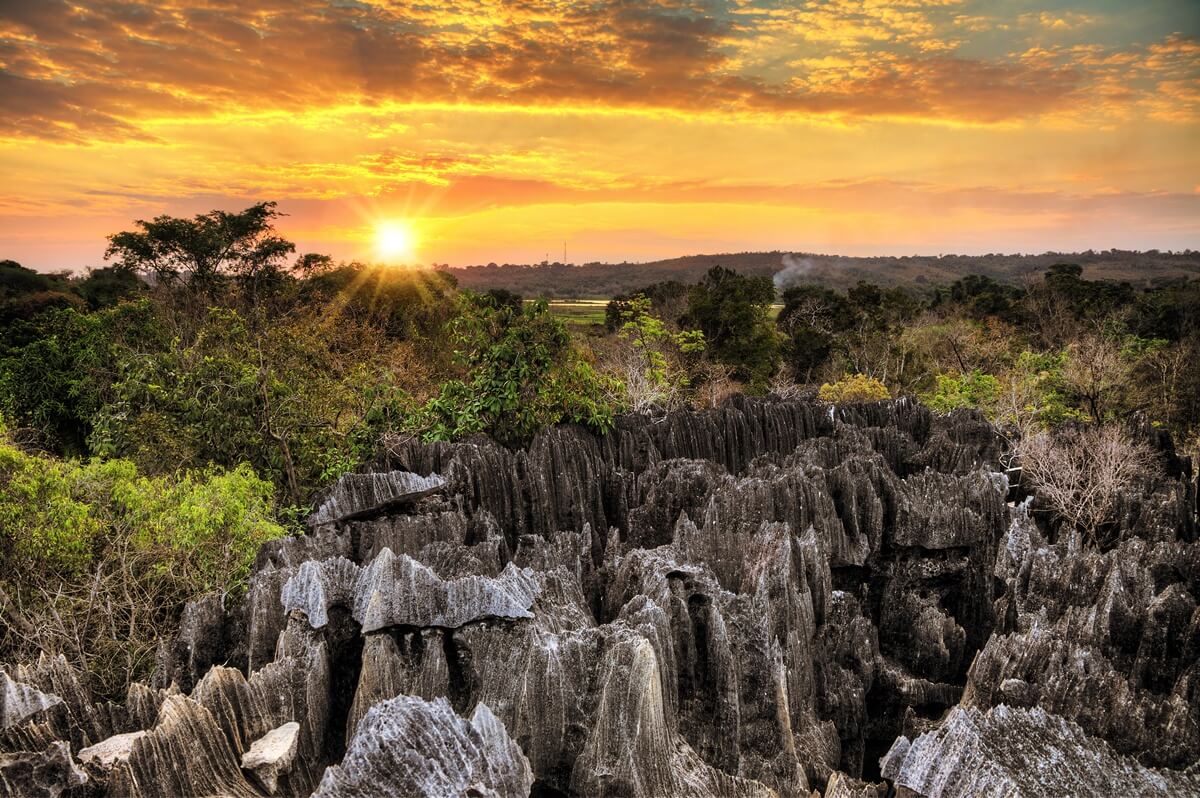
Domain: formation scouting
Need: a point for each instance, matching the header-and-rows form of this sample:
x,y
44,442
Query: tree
x,y
668,301
291,397
203,250
58,377
973,389
812,319
1081,471
1096,374
106,287
98,560
652,363
521,374
733,312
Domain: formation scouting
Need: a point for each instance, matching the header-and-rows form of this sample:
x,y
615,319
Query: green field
x,y
579,311
591,311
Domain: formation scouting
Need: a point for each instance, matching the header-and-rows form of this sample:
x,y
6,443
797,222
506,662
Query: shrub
x,y
98,560
854,388
952,391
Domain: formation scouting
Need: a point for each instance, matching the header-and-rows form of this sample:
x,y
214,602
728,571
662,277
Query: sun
x,y
395,240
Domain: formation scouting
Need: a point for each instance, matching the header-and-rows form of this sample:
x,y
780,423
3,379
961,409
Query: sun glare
x,y
395,240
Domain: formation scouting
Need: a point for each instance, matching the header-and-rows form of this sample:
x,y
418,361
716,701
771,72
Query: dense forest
x,y
165,415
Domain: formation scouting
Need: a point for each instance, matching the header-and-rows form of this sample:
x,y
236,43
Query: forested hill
x,y
610,279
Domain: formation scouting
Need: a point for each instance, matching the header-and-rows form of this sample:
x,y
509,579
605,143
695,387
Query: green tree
x,y
733,312
654,364
204,250
294,398
813,319
521,373
62,373
973,389
854,388
97,560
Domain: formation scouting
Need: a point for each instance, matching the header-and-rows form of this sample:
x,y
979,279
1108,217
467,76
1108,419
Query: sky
x,y
476,132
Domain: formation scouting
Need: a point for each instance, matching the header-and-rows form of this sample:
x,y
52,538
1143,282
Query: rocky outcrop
x,y
1007,752
20,701
408,746
759,600
1110,640
356,495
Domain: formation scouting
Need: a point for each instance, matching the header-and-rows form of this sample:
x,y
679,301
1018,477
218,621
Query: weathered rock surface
x,y
272,754
763,599
399,591
45,774
20,701
362,494
408,746
107,753
1021,752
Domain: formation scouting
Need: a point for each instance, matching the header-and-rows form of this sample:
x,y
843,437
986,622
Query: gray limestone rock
x,y
20,701
356,495
107,753
1021,752
758,599
318,586
399,591
272,754
409,746
40,774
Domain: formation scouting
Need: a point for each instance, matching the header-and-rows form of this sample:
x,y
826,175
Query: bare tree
x,y
1080,472
1096,373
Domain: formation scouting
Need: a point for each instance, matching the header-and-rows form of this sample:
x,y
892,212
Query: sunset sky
x,y
499,131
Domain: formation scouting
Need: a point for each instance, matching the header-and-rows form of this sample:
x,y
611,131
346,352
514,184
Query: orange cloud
x,y
692,124
96,68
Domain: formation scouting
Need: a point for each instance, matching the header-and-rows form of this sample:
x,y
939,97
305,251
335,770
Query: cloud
x,y
104,68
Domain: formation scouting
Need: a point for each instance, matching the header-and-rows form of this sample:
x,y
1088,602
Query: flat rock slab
x,y
107,753
358,495
272,754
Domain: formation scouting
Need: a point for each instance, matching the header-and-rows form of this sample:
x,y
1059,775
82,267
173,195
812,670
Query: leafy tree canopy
x,y
733,312
204,249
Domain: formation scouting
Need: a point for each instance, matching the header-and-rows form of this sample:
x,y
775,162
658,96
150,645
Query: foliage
x,y
301,399
974,389
522,373
98,559
854,388
1032,393
733,312
205,249
654,366
60,373
668,300
404,304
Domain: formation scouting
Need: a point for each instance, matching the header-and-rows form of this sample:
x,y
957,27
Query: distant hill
x,y
601,280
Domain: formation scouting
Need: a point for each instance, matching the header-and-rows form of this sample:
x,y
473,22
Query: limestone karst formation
x,y
767,599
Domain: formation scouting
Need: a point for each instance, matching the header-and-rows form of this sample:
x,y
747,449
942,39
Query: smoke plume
x,y
794,270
